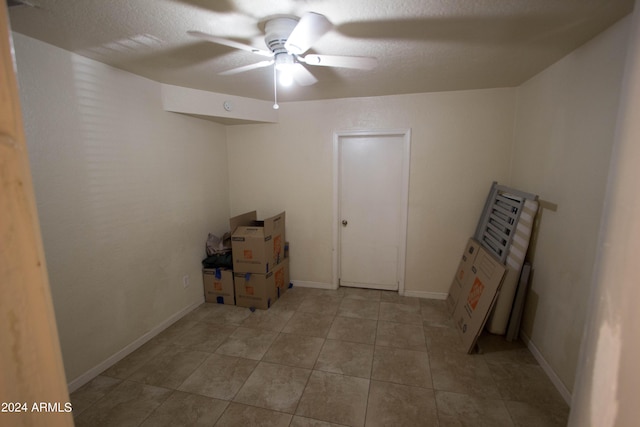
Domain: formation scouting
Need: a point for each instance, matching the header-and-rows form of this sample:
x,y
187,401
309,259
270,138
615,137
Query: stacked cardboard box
x,y
218,285
260,269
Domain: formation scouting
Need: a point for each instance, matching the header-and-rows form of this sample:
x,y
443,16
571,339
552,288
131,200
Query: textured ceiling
x,y
421,45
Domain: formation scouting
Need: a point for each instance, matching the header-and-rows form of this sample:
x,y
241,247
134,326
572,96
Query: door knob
x,y
344,222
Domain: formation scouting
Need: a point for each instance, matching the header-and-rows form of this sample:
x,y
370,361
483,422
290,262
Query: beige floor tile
x,y
362,294
200,312
310,422
128,404
434,313
203,336
347,358
238,415
524,383
224,314
394,297
176,330
91,392
497,349
135,360
401,366
287,304
400,405
299,292
272,386
443,339
462,373
320,304
401,313
248,343
291,300
270,320
186,410
294,350
335,398
170,368
440,304
400,335
462,410
309,324
354,330
219,376
536,415
333,293
359,308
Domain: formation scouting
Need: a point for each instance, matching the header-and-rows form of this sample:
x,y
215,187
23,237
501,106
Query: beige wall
x,y
461,142
564,132
606,392
126,195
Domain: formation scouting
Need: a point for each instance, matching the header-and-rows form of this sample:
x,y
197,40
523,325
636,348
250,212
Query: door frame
x,y
404,197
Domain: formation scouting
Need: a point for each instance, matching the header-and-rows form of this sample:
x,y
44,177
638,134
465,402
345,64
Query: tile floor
x,y
352,357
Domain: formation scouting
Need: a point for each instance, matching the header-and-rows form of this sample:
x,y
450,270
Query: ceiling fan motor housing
x,y
277,31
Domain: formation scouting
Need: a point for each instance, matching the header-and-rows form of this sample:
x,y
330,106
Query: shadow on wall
x,y
533,242
532,300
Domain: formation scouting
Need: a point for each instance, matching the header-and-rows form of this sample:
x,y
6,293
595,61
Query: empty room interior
x,y
150,124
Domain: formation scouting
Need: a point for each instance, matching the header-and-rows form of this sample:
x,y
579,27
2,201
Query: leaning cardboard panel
x,y
463,274
477,297
258,248
218,285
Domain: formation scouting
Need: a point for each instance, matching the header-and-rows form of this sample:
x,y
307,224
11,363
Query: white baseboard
x,y
426,295
417,294
317,285
555,379
112,360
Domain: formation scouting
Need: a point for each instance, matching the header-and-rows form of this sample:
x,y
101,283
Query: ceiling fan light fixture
x,y
285,78
284,61
284,66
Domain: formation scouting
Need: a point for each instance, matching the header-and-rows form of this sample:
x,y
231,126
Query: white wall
x,y
126,195
608,385
564,132
461,142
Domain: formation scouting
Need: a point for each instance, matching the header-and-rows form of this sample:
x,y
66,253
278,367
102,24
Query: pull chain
x,y
275,89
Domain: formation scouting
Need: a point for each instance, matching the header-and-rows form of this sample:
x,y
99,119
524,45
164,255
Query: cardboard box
x,y
218,285
478,296
255,290
463,274
248,218
257,246
281,273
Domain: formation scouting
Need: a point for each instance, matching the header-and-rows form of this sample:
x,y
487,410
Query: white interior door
x,y
372,183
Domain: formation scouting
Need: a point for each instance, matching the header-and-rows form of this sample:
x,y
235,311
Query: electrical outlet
x,y
185,281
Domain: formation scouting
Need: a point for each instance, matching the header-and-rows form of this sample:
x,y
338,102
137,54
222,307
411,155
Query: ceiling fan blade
x,y
310,28
302,76
357,62
230,43
244,68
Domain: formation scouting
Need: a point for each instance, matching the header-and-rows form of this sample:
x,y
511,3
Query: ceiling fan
x,y
288,38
